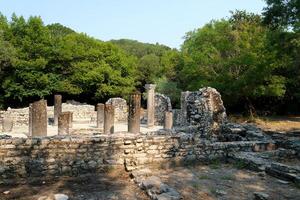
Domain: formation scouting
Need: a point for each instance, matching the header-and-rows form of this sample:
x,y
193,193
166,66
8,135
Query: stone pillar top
x,y
100,105
150,86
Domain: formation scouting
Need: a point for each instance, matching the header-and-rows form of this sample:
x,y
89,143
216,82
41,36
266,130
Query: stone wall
x,y
205,108
80,111
66,155
121,109
162,104
177,117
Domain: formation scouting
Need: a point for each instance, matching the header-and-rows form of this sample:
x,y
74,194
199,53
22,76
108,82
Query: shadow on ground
x,y
115,185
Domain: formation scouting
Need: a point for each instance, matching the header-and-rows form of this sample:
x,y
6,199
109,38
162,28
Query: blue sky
x,y
162,21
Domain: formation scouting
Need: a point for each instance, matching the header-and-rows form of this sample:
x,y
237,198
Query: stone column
x,y
30,120
100,115
134,113
57,107
63,123
70,118
7,124
109,115
168,120
150,104
38,118
183,102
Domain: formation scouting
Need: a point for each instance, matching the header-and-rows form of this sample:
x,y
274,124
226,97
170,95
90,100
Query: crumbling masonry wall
x,y
66,155
162,104
204,108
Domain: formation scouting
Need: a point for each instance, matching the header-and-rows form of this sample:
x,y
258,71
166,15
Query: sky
x,y
151,21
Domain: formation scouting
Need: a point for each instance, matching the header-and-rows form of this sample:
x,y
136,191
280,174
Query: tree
x,y
58,30
283,16
235,57
37,61
94,68
148,69
282,13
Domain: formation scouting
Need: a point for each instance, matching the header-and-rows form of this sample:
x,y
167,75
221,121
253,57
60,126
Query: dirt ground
x,y
115,185
207,182
224,181
274,123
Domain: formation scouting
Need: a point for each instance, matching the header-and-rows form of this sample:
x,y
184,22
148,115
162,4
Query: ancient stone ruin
x,y
204,108
162,104
121,109
89,139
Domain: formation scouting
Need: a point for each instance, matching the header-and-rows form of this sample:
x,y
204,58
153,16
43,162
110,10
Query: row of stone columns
x,y
105,115
38,119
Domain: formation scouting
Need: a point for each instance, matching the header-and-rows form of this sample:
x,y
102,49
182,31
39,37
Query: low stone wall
x,y
55,156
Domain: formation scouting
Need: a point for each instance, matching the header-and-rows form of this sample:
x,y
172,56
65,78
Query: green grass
x,y
196,186
213,191
228,177
240,164
204,177
215,164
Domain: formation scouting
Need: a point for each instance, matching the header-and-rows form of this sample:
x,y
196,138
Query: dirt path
x,y
224,182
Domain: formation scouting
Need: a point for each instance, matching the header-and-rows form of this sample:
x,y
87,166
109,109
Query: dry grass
x,y
274,123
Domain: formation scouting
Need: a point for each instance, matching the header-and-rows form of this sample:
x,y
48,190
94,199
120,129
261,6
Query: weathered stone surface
x,y
63,123
183,102
70,119
260,196
39,118
168,122
153,185
150,88
177,117
60,197
71,155
7,124
134,113
57,107
100,115
121,109
109,113
205,108
241,132
162,105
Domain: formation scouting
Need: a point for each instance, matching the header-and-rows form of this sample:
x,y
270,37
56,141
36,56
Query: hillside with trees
x,y
253,60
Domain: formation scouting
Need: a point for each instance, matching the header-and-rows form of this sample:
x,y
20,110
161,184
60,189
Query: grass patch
x,y
215,164
228,177
213,191
240,164
204,177
196,186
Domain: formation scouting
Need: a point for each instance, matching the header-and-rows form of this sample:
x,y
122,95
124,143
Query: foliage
x,y
139,49
37,61
170,88
282,14
235,57
253,60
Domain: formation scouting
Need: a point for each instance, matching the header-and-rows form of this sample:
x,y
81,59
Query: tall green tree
x,y
235,57
282,14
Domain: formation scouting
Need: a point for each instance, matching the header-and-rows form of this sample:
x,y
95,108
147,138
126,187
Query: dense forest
x,y
253,60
